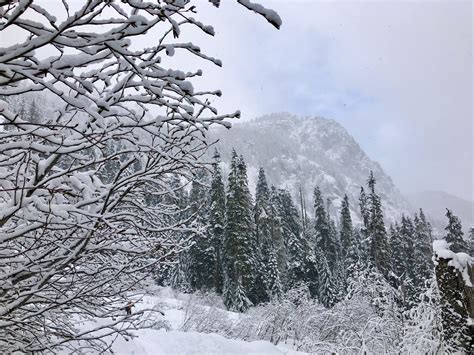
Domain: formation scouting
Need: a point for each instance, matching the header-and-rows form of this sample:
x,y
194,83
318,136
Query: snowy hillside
x,y
299,152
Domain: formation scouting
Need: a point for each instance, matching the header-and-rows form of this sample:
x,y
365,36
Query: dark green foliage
x,y
471,242
397,253
239,259
327,254
216,219
201,253
296,246
324,236
378,243
454,233
327,288
346,227
270,248
263,238
423,251
278,244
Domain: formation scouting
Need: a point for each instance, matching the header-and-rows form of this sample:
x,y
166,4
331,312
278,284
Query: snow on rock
x,y
460,261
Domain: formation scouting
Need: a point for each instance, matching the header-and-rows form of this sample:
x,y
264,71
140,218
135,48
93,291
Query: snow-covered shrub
x,y
423,329
205,313
368,320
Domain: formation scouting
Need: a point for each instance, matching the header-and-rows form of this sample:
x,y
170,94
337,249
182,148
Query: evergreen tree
x,y
397,255
364,229
327,289
201,252
471,241
277,234
378,243
454,234
349,245
353,254
364,209
422,251
239,242
263,238
346,227
294,244
178,275
407,232
273,281
34,115
324,236
326,252
216,221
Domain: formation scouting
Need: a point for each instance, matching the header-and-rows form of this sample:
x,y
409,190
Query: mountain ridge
x,y
302,152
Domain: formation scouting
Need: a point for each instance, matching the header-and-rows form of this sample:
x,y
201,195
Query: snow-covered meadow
x,y
169,336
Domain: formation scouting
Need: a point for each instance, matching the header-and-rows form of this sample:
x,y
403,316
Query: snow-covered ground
x,y
175,341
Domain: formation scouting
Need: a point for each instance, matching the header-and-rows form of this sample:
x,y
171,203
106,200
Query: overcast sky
x,y
397,75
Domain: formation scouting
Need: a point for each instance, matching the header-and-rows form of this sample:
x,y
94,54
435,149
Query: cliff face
x,y
302,152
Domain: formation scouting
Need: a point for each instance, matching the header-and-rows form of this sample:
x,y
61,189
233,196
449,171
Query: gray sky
x,y
397,75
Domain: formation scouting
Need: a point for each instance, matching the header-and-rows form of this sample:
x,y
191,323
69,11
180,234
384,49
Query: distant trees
x,y
87,198
266,250
454,234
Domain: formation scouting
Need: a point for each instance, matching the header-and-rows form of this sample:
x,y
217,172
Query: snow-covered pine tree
x,y
177,273
423,252
345,231
364,228
364,208
273,282
349,245
378,243
297,247
277,235
263,239
201,252
239,241
397,256
471,241
327,288
323,233
326,252
454,233
216,221
407,231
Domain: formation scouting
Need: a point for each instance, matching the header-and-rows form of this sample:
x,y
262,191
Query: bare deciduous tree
x,y
82,213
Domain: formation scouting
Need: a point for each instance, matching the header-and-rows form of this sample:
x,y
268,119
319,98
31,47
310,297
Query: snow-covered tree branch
x,y
84,213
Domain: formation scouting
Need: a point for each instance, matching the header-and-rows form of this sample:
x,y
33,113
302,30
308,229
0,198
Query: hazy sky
x,y
397,75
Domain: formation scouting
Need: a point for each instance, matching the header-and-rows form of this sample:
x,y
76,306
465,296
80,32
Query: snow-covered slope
x,y
174,341
299,152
